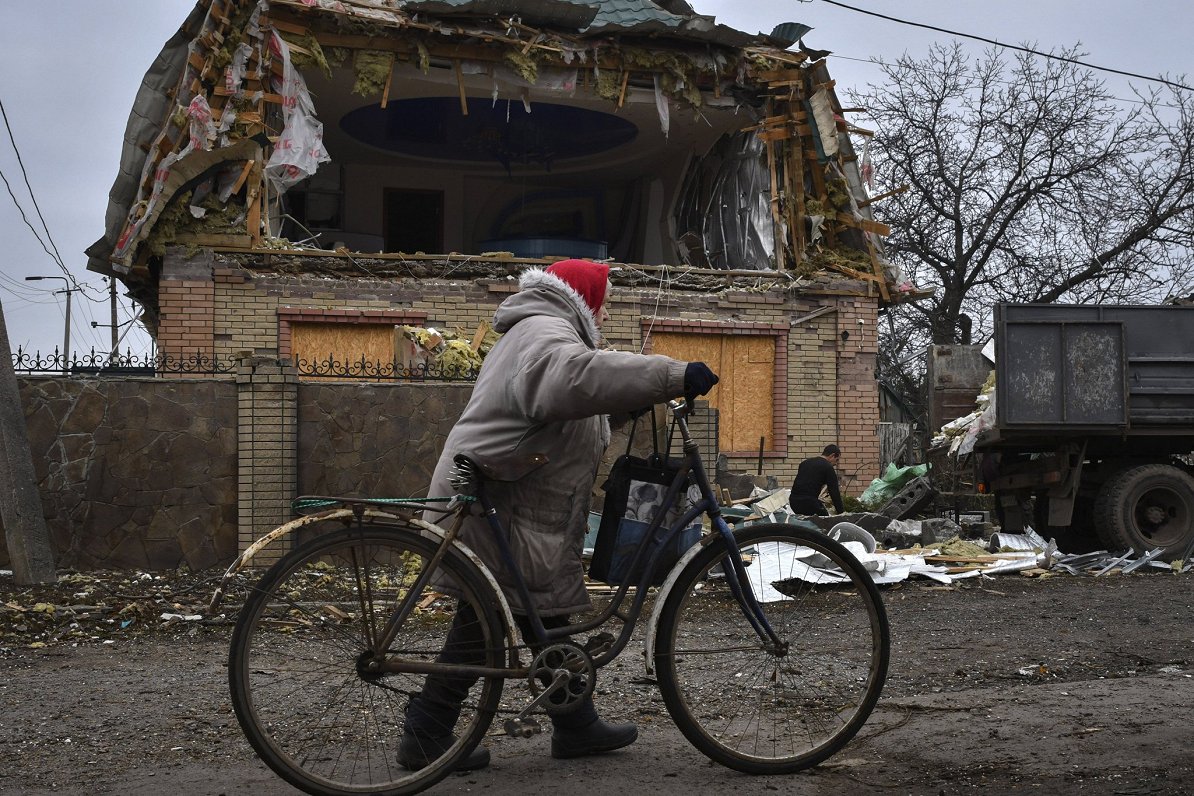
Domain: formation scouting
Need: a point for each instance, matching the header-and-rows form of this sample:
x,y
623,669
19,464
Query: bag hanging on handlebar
x,y
634,492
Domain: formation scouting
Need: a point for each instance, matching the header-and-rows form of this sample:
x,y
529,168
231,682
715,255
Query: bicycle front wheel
x,y
299,665
753,706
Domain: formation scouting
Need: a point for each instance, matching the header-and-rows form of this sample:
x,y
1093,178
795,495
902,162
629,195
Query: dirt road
x,y
1014,685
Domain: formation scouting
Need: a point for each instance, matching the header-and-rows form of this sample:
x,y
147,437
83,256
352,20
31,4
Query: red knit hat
x,y
586,278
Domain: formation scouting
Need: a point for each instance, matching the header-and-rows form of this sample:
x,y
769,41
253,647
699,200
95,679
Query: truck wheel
x,y
1146,507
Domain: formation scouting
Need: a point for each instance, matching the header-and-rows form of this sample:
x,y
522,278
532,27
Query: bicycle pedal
x,y
599,643
522,728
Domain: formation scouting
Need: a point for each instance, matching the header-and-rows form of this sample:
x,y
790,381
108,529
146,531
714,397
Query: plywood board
x,y
745,395
345,343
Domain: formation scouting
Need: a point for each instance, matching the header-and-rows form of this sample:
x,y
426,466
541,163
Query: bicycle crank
x,y
562,677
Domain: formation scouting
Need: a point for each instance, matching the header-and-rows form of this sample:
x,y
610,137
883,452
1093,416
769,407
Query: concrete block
x,y
915,496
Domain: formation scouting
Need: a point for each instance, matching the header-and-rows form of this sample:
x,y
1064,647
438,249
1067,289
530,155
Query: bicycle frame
x,y
691,468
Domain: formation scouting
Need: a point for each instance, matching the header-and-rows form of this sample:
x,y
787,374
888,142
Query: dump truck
x,y
1094,425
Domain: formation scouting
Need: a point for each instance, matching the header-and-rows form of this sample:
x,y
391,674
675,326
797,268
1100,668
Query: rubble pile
x,y
894,550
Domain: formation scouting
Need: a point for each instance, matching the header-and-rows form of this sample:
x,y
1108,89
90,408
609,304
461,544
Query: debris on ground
x,y
105,606
893,550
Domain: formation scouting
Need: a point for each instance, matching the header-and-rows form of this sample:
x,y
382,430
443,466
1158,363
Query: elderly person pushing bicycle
x,y
545,388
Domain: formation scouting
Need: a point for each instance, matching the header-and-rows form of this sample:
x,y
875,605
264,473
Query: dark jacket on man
x,y
811,476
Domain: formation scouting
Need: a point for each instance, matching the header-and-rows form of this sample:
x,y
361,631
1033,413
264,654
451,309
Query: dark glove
x,y
698,379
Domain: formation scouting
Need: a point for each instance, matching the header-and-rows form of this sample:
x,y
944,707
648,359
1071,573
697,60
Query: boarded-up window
x,y
343,349
745,396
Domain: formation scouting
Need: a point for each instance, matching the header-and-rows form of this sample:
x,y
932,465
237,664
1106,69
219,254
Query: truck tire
x,y
1146,507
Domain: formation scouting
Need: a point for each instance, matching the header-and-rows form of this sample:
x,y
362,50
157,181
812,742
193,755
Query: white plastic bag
x,y
299,150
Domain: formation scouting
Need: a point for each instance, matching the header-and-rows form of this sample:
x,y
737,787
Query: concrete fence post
x,y
267,449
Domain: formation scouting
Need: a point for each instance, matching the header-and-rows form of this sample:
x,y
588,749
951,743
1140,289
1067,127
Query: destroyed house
x,y
303,178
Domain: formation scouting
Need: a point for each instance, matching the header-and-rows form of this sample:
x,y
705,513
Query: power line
x,y
24,218
920,70
25,174
1009,46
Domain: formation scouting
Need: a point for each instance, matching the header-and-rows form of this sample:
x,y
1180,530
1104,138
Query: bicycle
x,y
762,671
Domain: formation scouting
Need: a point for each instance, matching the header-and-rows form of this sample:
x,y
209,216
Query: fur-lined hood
x,y
541,293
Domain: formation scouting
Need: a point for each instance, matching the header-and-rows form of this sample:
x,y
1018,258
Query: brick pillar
x,y
858,392
186,306
267,449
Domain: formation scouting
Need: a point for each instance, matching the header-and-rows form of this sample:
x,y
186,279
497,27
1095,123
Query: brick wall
x,y
828,393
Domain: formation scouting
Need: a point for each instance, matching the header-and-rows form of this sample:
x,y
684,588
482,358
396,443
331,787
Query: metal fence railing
x,y
102,363
372,370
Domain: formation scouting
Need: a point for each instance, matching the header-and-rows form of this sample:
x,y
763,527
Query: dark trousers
x,y
433,713
808,505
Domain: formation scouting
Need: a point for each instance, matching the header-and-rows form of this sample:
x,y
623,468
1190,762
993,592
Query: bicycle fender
x,y
661,598
426,529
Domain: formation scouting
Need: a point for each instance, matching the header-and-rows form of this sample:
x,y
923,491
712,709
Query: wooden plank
x,y
275,99
385,92
779,74
883,196
479,335
796,163
777,134
244,175
880,274
253,203
291,27
864,224
460,88
791,192
622,92
776,214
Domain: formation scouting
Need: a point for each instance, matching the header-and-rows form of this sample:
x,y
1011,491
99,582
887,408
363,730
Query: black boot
x,y
583,733
432,714
415,753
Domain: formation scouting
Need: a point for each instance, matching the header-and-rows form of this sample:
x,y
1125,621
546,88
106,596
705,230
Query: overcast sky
x,y
69,70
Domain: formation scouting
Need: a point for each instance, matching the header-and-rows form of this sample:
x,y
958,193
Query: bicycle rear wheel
x,y
762,710
301,688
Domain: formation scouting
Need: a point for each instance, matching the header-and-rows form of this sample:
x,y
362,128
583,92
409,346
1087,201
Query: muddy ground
x,y
1062,684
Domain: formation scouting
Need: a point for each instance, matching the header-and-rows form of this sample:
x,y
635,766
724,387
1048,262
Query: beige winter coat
x,y
545,388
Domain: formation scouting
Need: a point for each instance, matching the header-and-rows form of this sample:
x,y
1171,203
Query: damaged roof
x,y
180,69
214,112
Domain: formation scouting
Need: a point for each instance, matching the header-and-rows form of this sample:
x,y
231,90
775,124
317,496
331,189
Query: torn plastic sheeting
x,y
299,150
886,486
662,107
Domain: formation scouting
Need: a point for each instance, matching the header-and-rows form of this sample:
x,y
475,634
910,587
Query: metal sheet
x,y
1059,372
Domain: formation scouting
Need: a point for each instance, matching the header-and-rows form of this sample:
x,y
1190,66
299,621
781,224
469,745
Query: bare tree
x,y
1028,181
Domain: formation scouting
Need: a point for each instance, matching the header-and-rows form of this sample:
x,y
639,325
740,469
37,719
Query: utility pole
x,y
25,530
112,296
68,290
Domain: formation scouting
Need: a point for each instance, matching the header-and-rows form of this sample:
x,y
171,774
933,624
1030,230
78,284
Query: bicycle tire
x,y
749,708
321,723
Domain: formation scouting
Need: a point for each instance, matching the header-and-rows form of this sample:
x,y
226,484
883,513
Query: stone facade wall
x,y
829,392
373,440
164,473
135,474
